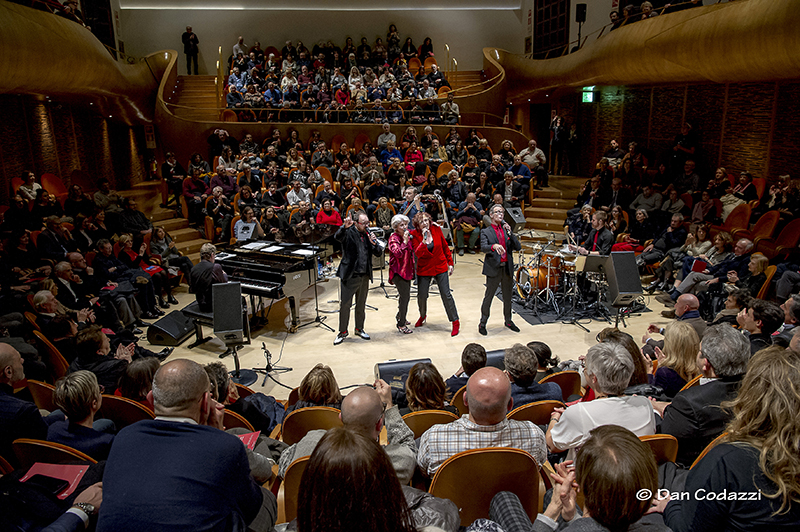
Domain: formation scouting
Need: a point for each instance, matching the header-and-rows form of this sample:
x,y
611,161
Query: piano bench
x,y
199,318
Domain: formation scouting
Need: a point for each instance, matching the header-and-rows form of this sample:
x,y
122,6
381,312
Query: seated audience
x,y
760,320
612,469
78,395
544,358
318,388
677,362
608,370
758,455
360,410
488,398
522,368
425,390
197,463
694,416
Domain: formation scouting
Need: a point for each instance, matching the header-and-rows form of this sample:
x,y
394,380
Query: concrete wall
x,y
146,28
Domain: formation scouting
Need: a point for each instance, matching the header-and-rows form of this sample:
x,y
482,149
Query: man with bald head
x,y
687,308
488,397
18,418
180,471
366,410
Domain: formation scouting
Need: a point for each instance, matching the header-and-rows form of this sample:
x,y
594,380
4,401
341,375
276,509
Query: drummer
x,y
600,238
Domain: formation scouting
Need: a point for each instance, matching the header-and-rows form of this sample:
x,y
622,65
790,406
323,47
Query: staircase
x,y
466,78
548,211
148,197
195,98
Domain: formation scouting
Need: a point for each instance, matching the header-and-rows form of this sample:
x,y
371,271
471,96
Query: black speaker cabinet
x,y
228,320
496,358
515,218
624,284
580,12
171,330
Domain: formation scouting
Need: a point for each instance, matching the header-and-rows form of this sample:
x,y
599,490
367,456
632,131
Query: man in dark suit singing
x,y
181,471
499,244
355,271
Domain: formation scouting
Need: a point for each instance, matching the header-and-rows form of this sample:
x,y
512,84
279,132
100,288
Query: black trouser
x,y
358,286
505,281
191,58
404,290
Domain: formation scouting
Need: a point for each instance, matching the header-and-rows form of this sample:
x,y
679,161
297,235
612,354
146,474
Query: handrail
x,y
220,80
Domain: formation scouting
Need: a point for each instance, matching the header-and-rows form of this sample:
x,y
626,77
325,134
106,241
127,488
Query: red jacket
x,y
430,263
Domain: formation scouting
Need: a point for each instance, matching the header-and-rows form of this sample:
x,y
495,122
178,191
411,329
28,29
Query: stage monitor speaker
x,y
228,318
622,274
395,371
496,359
580,13
515,218
171,330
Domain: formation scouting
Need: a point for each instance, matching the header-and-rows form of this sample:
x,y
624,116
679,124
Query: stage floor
x,y
353,361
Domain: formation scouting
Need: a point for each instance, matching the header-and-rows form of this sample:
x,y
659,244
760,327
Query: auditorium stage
x,y
353,361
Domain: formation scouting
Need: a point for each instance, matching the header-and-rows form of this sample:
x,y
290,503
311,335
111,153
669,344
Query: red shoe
x,y
420,321
456,326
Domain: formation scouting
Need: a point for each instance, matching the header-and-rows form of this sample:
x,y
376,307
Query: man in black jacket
x,y
600,238
498,266
190,48
694,416
355,271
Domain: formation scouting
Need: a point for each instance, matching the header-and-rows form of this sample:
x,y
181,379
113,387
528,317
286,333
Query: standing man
x,y
499,243
204,275
190,48
536,161
355,271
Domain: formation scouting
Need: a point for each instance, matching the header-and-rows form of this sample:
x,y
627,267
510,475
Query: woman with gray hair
x,y
608,369
401,267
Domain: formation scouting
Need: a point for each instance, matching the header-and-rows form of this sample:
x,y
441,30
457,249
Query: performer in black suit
x,y
600,238
204,275
355,271
499,243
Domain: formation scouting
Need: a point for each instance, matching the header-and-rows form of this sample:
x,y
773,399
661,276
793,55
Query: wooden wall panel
x,y
747,126
60,138
704,109
761,133
785,151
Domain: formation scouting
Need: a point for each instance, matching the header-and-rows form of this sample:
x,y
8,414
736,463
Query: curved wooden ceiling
x,y
734,42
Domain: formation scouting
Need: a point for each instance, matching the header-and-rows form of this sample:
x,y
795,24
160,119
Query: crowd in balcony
x,y
328,84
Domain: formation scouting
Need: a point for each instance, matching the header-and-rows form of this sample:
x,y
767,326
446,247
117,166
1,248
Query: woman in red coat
x,y
433,261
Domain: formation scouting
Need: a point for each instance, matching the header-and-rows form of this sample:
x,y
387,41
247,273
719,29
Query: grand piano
x,y
271,270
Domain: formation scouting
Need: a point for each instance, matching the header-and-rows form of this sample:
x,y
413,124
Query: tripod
x,y
246,377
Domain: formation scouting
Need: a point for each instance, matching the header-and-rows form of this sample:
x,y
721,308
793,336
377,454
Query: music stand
x,y
319,320
382,286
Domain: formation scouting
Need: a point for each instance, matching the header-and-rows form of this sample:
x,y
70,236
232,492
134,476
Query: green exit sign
x,y
588,94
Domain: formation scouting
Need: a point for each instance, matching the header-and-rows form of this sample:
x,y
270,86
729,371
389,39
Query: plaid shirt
x,y
440,442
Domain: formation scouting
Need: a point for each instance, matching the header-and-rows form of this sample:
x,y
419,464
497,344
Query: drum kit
x,y
548,281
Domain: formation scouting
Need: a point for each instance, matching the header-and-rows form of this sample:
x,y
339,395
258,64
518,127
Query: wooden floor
x,y
353,361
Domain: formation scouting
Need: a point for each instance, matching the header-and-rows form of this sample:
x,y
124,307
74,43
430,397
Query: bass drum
x,y
529,279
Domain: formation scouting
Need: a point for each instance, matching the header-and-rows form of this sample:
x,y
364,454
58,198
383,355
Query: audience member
x,y
197,463
488,398
695,416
